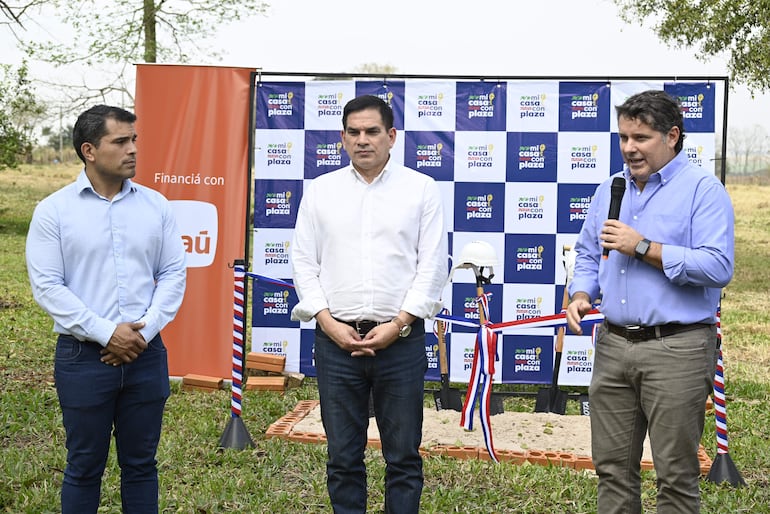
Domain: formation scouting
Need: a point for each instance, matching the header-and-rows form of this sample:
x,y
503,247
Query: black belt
x,y
637,333
364,326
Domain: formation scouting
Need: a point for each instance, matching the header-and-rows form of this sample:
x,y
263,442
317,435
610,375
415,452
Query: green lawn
x,y
284,477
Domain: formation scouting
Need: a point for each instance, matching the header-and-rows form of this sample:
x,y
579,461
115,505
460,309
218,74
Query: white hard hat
x,y
476,253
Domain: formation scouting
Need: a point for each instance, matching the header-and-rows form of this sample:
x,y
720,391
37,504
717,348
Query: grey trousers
x,y
660,386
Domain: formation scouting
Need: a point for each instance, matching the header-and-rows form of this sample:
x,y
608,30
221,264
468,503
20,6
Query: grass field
x,y
284,477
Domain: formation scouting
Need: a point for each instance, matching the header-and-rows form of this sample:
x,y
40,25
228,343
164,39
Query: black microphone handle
x,y
617,190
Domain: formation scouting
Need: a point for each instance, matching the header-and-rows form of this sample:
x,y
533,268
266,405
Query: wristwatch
x,y
642,247
404,329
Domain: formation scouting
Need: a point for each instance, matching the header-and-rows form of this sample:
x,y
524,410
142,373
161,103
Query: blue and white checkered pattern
x,y
517,162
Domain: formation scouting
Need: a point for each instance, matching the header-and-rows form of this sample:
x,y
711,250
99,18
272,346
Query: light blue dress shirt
x,y
689,212
94,263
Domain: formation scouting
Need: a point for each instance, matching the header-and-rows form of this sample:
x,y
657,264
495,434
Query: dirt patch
x,y
516,431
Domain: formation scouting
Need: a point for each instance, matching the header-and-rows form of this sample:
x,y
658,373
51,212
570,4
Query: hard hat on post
x,y
476,255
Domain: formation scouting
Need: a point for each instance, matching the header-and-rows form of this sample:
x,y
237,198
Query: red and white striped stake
x,y
722,469
720,407
236,435
239,274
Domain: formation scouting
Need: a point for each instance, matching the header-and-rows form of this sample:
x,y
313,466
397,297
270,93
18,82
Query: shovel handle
x,y
562,330
479,293
442,360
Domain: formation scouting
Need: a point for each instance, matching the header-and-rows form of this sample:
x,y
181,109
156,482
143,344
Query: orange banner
x,y
193,126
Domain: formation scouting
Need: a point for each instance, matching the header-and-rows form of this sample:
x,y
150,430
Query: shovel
x,y
446,398
554,399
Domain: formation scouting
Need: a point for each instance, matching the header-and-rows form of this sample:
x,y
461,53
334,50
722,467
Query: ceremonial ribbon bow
x,y
482,376
484,356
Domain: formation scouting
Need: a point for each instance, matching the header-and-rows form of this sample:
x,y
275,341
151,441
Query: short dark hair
x,y
363,102
657,109
91,125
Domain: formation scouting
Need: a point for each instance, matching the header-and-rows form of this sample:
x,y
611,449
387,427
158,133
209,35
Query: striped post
x,y
239,274
722,469
236,435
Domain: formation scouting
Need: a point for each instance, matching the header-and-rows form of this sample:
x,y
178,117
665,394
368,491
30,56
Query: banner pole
x,y
236,435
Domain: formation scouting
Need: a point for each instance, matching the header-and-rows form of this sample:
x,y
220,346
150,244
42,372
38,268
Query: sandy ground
x,y
510,431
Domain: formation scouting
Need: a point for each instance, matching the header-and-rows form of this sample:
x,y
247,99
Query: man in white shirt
x,y
370,261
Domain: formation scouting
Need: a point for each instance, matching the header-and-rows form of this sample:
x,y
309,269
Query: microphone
x,y
617,190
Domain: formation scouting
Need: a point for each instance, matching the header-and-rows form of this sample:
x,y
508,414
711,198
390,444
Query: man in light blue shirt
x,y
106,262
670,253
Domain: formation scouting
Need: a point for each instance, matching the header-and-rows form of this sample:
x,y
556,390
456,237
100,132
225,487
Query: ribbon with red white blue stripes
x,y
484,357
480,386
482,376
552,320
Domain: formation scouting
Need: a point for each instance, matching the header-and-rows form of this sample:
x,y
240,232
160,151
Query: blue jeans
x,y
658,387
94,398
395,377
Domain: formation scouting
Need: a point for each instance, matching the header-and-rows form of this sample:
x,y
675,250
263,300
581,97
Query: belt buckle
x,y
361,327
634,333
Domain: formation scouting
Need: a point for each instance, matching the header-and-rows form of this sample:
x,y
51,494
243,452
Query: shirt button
x,y
623,302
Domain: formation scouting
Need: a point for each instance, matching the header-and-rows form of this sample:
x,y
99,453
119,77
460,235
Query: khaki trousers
x,y
658,386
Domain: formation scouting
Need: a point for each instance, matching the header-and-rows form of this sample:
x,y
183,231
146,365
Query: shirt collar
x,y
667,172
83,184
381,177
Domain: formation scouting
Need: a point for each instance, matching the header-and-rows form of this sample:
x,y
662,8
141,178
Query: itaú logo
x,y
198,223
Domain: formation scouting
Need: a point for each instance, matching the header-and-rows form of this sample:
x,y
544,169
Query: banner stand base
x,y
723,470
236,435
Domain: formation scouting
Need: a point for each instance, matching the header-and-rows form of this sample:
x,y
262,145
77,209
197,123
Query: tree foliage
x,y
139,30
739,29
13,13
114,35
20,111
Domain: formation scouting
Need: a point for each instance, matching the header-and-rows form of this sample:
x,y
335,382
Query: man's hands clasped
x,y
346,337
125,345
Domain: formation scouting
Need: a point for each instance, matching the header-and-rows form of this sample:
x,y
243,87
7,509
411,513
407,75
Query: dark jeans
x,y
96,397
395,377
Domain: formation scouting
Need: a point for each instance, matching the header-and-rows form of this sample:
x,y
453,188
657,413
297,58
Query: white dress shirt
x,y
366,251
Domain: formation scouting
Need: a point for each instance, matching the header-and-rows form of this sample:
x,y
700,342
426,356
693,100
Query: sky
x,y
484,38
478,37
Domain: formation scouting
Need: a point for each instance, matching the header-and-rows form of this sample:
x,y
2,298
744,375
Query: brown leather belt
x,y
637,333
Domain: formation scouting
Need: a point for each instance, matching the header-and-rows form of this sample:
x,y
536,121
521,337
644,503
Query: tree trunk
x,y
150,41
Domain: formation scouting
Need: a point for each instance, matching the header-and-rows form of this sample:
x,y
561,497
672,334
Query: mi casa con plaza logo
x,y
532,106
481,106
280,104
329,105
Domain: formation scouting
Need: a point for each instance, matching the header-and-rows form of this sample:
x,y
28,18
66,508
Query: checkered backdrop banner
x,y
517,162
